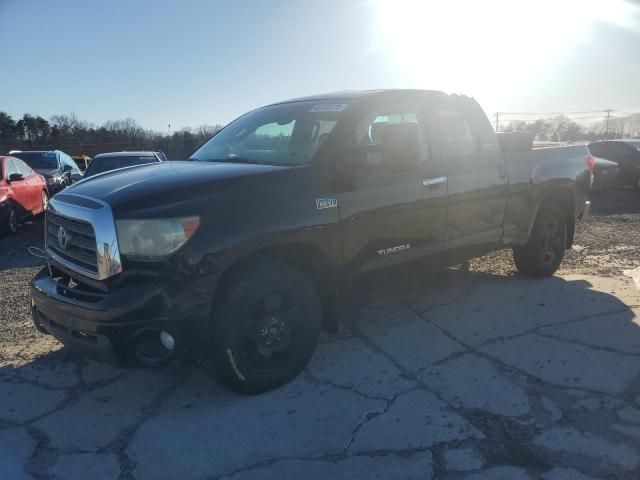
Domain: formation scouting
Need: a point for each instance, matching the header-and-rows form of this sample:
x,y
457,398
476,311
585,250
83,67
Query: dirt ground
x,y
472,372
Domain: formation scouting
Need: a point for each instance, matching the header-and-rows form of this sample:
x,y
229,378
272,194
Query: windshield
x,y
38,160
285,134
104,164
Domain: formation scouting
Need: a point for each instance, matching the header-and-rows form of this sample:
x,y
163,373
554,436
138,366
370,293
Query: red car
x,y
23,193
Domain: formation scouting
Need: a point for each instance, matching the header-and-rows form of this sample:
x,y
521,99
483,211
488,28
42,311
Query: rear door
x,y
463,141
388,215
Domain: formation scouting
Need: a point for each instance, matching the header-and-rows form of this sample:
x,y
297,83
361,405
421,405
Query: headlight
x,y
154,239
53,180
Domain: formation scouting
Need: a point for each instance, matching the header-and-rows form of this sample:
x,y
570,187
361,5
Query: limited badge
x,y
322,203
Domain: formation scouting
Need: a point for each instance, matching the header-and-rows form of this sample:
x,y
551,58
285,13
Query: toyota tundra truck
x,y
243,252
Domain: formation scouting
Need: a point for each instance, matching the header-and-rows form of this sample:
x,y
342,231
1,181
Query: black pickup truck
x,y
243,251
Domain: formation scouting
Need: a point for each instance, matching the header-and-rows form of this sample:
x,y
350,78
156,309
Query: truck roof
x,y
356,94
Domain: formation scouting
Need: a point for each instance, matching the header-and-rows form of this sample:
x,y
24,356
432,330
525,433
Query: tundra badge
x,y
398,248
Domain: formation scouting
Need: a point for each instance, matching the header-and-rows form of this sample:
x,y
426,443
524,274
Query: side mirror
x,y
16,177
66,168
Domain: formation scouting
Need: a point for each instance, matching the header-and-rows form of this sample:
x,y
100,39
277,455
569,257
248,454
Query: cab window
x,y
390,136
456,136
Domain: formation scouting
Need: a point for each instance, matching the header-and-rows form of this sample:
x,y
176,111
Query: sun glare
x,y
484,47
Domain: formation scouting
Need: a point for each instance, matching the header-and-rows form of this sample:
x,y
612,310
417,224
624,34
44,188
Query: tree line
x,y
561,128
78,137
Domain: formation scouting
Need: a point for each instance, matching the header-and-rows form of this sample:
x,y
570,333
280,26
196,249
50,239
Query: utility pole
x,y
497,120
608,112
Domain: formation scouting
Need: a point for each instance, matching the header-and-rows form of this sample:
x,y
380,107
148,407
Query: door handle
x,y
502,170
433,182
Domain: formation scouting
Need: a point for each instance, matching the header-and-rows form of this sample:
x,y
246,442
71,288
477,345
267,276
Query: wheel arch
x,y
564,198
306,258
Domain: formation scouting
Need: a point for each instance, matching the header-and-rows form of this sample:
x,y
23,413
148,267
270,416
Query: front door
x,y
19,188
392,209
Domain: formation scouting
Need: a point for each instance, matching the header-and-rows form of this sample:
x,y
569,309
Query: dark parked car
x,y
23,193
244,251
105,162
58,168
626,153
605,174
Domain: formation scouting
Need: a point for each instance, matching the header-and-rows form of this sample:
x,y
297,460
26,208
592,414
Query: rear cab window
x,y
108,163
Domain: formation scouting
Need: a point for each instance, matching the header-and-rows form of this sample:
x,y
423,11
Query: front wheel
x,y
11,223
266,327
45,200
543,253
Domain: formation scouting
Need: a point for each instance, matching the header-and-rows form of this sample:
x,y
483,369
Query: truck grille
x,y
76,243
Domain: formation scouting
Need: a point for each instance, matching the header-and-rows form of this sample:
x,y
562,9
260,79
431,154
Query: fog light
x,y
167,340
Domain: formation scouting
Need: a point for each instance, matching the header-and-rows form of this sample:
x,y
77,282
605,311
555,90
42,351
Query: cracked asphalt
x,y
471,372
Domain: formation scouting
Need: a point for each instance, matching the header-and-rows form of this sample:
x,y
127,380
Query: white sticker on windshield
x,y
328,107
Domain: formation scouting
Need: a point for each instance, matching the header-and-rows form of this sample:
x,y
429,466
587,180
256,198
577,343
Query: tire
x,y
11,222
266,327
543,253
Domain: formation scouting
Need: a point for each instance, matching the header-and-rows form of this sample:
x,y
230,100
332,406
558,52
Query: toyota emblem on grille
x,y
63,238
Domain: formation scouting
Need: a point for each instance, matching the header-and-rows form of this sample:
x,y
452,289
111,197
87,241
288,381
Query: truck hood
x,y
156,185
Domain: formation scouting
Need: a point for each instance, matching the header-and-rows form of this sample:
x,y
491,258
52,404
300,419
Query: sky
x,y
192,62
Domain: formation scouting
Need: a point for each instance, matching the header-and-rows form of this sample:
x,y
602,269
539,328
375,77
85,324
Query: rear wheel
x,y
543,253
266,327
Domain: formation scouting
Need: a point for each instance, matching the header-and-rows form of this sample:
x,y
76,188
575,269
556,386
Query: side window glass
x,y
370,132
393,136
456,135
23,168
10,168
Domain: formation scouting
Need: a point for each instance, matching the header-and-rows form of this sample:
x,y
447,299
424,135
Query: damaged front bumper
x,y
147,322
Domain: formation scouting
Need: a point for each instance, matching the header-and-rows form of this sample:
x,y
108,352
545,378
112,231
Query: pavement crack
x,y
121,443
314,380
588,345
537,328
43,457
